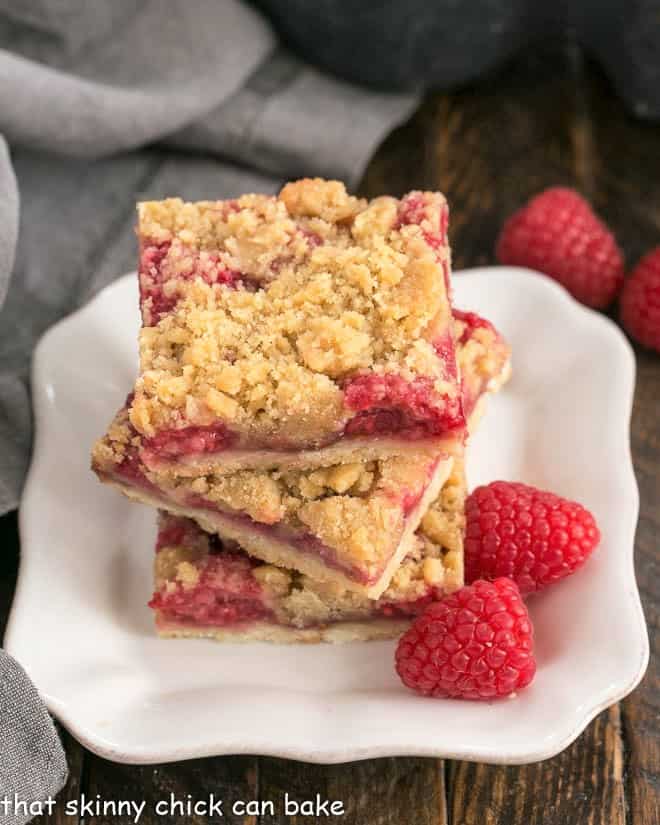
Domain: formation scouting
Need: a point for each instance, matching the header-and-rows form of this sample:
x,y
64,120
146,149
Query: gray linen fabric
x,y
36,767
83,88
103,104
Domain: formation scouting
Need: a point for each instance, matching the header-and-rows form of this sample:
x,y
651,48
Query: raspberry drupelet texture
x,y
476,643
534,537
558,233
640,301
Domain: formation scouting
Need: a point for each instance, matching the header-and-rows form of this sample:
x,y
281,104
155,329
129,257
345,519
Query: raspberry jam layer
x,y
388,405
162,266
194,440
472,322
226,593
475,379
131,471
407,609
158,276
385,405
414,210
130,475
222,590
299,540
444,347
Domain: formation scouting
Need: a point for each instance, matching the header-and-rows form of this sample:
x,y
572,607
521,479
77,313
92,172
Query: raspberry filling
x,y
226,593
302,541
130,473
413,211
173,534
444,347
313,240
472,322
160,270
194,440
385,405
388,404
411,497
473,385
158,276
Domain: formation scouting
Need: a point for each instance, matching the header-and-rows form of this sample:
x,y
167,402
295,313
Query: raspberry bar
x,y
303,330
205,587
348,524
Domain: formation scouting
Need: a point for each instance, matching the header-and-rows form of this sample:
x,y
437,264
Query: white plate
x,y
81,628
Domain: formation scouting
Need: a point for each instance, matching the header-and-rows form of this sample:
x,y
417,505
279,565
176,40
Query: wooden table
x,y
547,118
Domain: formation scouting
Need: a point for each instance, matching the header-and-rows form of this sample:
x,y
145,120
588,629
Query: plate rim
x,y
148,755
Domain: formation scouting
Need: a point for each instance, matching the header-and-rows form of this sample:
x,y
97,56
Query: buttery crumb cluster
x,y
258,312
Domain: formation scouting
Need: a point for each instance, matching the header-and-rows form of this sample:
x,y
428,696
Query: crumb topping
x,y
295,599
358,510
258,311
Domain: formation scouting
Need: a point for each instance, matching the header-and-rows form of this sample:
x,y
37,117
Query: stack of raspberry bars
x,y
300,412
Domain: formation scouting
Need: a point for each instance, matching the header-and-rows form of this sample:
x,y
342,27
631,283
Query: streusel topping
x,y
258,312
357,509
433,566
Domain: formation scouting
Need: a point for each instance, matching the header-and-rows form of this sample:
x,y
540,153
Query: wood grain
x,y
169,790
374,792
627,159
641,710
583,785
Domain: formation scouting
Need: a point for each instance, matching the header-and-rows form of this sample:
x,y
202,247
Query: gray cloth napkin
x,y
103,104
84,86
32,762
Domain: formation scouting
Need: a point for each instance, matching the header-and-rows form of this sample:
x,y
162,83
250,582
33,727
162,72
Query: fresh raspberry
x,y
534,537
476,643
558,233
640,301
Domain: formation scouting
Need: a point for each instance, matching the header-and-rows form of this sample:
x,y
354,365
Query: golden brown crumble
x,y
365,294
300,601
428,565
356,509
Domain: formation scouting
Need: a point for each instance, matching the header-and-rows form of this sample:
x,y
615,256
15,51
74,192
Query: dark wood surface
x,y
548,117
